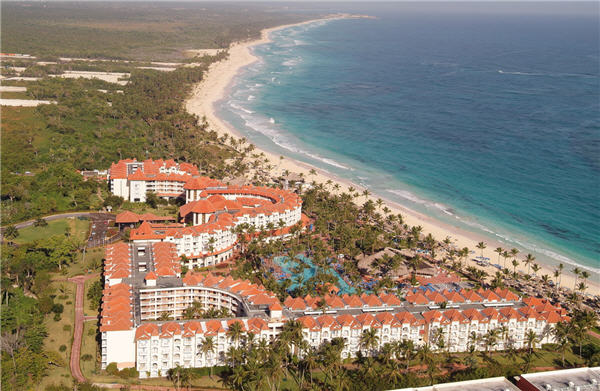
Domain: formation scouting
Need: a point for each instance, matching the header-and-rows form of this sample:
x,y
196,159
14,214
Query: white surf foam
x,y
292,62
268,128
503,238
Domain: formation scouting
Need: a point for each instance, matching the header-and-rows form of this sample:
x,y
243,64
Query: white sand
x,y
24,102
200,52
19,78
213,88
111,77
12,89
162,69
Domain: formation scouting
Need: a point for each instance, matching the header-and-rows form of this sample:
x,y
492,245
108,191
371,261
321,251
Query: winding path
x,y
78,327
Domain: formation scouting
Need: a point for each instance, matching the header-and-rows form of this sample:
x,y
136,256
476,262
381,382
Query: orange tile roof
x,y
417,298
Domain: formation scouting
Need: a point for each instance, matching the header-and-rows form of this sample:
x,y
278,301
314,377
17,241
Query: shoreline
x,y
214,87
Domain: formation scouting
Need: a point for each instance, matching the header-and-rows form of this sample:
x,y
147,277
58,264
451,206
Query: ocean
x,y
486,118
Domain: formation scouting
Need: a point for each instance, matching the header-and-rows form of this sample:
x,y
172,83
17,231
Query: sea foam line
x,y
498,236
267,128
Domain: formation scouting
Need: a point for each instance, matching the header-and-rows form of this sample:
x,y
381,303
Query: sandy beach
x,y
213,88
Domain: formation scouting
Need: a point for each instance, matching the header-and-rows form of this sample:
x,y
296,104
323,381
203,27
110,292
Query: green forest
x,y
140,30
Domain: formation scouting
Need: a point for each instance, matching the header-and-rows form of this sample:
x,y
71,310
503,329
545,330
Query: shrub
x,y
58,308
40,222
62,348
57,317
91,332
87,357
112,369
46,304
67,327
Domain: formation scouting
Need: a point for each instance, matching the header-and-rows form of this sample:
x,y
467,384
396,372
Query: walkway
x,y
78,327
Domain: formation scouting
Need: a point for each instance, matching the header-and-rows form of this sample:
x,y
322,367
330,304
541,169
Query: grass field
x,y
58,335
92,262
14,95
79,230
89,345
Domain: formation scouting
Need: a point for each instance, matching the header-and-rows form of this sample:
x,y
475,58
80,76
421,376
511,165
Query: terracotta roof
x,y
127,217
417,298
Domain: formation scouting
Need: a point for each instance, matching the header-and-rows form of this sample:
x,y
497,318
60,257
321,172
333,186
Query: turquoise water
x,y
487,121
287,264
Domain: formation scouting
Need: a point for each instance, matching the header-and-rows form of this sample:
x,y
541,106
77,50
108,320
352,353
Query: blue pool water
x,y
487,120
287,264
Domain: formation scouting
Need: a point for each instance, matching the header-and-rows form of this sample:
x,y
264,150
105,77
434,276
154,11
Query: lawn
x,y
89,345
58,335
90,263
79,230
14,95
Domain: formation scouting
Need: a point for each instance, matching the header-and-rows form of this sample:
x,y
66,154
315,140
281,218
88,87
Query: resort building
x,y
207,234
489,384
143,321
129,219
131,179
582,379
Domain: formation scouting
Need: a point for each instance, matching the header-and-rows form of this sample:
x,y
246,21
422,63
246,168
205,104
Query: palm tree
x,y
11,233
366,193
490,339
503,331
406,349
577,272
531,338
514,252
560,270
561,334
499,250
515,263
369,340
164,316
528,261
291,335
175,375
505,255
427,357
208,346
536,268
481,246
585,275
474,339
545,279
447,242
309,363
235,332
581,322
582,287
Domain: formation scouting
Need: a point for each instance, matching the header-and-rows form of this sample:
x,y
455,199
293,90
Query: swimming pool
x,y
287,265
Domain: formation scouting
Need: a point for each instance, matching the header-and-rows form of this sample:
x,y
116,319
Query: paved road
x,y
78,330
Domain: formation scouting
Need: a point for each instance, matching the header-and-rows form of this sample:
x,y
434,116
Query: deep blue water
x,y
486,120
